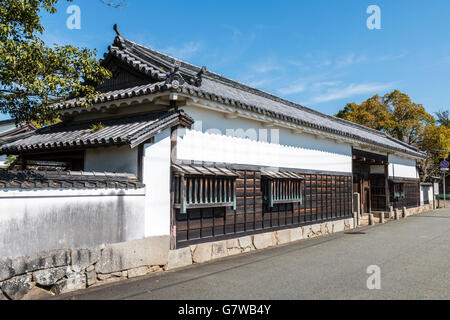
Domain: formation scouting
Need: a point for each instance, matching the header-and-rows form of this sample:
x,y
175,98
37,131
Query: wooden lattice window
x,y
282,187
399,191
203,187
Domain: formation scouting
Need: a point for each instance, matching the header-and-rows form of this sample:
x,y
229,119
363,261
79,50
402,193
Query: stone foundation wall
x,y
419,210
61,271
205,252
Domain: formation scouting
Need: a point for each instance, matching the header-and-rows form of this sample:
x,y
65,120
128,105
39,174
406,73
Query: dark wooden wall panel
x,y
325,197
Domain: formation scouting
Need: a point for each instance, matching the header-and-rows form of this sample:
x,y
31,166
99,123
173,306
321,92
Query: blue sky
x,y
318,53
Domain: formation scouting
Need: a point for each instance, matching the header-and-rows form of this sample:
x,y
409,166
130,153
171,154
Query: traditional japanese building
x,y
8,128
198,157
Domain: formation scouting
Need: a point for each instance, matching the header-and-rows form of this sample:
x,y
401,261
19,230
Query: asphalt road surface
x,y
413,256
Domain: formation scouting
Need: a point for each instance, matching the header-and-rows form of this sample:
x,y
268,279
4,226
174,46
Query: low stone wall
x,y
65,270
418,210
205,252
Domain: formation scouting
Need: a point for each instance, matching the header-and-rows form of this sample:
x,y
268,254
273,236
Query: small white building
x,y
200,157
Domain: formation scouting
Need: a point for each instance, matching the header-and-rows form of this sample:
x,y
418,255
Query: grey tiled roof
x,y
234,95
118,94
219,88
137,63
124,131
67,180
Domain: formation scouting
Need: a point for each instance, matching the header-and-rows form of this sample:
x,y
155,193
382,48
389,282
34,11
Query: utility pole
x,y
444,169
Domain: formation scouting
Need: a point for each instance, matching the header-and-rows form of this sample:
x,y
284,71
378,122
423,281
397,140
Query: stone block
x,y
106,281
116,274
3,297
219,250
397,214
234,251
48,277
156,269
16,288
338,226
75,281
349,224
134,254
246,242
91,278
202,253
382,218
264,240
371,219
307,232
42,260
37,294
284,236
296,234
90,268
103,277
316,228
323,229
233,243
179,258
6,270
137,272
83,258
404,212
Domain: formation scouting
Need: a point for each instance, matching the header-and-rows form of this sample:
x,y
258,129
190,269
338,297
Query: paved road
x,y
413,254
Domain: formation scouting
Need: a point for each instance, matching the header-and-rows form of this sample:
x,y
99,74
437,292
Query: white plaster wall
x,y
214,138
156,177
426,193
42,220
402,167
112,159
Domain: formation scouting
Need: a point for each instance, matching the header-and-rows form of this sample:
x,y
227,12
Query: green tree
x,y
397,115
33,75
394,113
407,119
436,142
371,113
443,118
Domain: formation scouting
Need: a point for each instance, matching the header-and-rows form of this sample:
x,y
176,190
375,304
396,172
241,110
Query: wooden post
x,y
173,156
386,175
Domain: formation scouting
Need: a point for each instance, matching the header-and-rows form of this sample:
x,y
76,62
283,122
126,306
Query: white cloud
x,y
266,66
390,57
322,84
259,83
187,51
292,89
351,91
350,60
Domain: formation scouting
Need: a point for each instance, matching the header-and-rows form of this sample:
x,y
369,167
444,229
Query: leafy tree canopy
x,y
394,113
34,75
398,116
443,118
